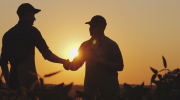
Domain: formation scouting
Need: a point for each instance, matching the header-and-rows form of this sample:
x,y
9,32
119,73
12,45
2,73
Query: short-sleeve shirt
x,y
19,41
97,76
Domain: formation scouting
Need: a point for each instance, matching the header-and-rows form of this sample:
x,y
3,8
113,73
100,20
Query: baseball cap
x,y
97,20
25,7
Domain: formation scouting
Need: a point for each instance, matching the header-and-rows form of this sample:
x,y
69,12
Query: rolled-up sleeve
x,y
37,39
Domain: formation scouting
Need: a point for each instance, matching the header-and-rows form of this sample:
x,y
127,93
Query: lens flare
x,y
94,41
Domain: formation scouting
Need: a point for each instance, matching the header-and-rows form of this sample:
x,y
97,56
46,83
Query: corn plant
x,y
27,92
167,88
168,85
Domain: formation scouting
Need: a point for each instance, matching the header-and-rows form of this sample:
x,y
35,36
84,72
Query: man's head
x,y
26,12
97,26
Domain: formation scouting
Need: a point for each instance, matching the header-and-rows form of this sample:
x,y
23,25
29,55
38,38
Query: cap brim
x,y
37,10
88,23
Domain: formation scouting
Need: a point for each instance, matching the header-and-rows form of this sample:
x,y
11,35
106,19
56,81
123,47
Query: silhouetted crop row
x,y
167,88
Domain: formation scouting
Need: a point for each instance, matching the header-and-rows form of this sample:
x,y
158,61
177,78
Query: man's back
x,y
20,40
18,47
16,42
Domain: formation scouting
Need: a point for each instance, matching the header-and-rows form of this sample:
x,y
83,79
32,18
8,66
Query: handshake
x,y
73,66
79,60
66,64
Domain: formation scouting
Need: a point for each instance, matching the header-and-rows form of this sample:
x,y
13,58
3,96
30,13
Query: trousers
x,y
19,73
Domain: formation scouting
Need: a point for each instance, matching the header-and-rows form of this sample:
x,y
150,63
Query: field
x,y
72,92
163,87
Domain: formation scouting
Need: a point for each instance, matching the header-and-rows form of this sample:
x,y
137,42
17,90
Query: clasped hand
x,y
79,60
66,64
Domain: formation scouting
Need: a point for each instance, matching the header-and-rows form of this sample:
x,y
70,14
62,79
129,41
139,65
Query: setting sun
x,y
72,52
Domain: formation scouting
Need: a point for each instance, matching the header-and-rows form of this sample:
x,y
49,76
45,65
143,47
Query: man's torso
x,y
97,76
16,42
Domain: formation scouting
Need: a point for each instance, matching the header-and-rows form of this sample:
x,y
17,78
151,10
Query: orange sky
x,y
144,30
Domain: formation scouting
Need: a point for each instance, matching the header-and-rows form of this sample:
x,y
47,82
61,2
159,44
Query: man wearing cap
x,y
18,47
103,59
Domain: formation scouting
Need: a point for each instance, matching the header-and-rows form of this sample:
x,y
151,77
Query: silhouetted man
x,y
102,56
18,47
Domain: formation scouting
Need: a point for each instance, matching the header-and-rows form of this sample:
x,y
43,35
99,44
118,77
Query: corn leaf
x,y
41,83
154,70
128,89
66,89
33,85
160,77
34,74
48,75
162,70
142,85
164,62
58,87
153,78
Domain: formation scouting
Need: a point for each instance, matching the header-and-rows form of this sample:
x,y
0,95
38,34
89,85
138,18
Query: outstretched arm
x,y
40,43
53,58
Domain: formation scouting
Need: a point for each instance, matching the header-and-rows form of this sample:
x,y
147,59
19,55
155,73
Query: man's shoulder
x,y
19,27
24,26
29,27
9,31
85,42
110,41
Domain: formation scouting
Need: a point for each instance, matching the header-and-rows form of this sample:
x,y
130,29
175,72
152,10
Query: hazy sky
x,y
144,30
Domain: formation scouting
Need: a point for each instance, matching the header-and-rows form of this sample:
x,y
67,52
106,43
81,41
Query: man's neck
x,y
98,37
23,20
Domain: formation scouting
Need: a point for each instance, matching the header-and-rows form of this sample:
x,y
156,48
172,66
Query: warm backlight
x,y
72,52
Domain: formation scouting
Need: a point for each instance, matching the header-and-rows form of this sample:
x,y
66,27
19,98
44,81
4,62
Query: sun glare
x,y
72,52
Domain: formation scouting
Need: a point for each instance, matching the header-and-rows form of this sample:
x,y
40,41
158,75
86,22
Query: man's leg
x,y
23,69
13,79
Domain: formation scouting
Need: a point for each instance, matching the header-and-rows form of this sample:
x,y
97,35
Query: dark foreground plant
x,y
168,85
59,92
167,88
